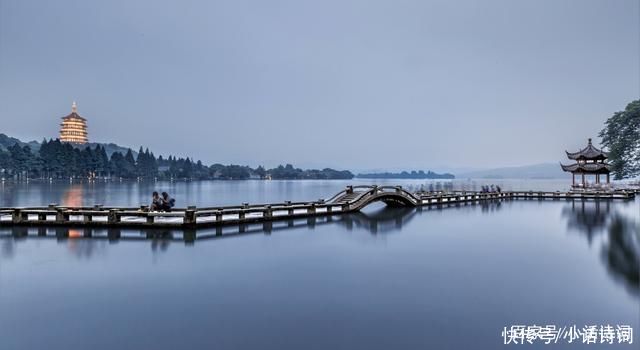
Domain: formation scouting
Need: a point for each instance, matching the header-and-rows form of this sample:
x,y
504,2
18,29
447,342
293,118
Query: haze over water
x,y
448,278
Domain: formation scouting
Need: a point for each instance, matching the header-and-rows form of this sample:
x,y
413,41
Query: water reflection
x,y
621,253
589,218
619,234
72,196
620,241
84,242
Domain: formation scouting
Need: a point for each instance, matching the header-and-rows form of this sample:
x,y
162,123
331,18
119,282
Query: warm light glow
x,y
73,127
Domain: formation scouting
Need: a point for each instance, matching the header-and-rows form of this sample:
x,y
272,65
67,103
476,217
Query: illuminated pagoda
x,y
589,161
73,128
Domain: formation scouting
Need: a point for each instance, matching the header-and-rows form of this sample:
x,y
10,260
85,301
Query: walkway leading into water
x,y
351,199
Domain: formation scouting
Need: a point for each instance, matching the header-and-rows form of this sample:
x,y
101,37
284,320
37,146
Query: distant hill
x,y
110,148
535,171
7,141
406,175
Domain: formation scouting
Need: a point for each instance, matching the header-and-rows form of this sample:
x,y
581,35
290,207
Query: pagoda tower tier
x,y
73,128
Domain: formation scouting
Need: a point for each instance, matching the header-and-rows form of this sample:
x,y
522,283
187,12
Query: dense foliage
x,y
58,160
621,135
407,175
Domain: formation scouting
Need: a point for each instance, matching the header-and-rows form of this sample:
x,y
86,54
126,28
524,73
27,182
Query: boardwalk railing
x,y
351,199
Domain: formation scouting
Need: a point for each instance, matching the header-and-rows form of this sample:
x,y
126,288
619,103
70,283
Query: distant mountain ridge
x,y
535,171
7,141
406,175
110,148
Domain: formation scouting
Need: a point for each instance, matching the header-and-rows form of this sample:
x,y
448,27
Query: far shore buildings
x,y
589,161
73,128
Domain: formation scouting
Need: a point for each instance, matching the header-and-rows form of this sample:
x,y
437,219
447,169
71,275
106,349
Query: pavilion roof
x,y
589,152
587,167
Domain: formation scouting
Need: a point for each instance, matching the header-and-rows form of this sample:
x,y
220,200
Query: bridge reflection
x,y
83,242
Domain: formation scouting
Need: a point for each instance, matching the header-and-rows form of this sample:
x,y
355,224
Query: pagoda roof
x,y
587,167
73,115
589,152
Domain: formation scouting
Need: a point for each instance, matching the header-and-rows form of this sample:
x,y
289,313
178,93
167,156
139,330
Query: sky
x,y
344,84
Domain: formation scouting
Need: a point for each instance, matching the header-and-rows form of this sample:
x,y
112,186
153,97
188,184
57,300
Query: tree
x,y
621,135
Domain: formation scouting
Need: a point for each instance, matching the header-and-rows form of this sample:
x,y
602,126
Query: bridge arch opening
x,y
390,199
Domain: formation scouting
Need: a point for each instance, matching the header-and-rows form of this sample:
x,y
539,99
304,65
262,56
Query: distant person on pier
x,y
156,202
167,202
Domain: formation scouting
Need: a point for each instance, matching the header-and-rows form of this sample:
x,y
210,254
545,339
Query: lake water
x,y
385,278
210,193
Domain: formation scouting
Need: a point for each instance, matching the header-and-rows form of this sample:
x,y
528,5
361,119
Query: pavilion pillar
x,y
607,178
583,183
573,175
597,178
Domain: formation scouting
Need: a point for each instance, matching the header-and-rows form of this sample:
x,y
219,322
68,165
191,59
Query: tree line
x,y
59,160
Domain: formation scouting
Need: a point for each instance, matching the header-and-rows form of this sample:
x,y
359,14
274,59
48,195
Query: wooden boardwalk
x,y
349,200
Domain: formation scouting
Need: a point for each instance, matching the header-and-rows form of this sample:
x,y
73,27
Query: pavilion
x,y
589,161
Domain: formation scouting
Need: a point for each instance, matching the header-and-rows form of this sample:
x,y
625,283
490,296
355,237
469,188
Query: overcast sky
x,y
346,84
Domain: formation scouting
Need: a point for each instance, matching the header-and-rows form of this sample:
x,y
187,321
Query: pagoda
x,y
73,128
589,161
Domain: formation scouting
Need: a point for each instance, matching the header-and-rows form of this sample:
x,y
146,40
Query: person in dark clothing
x,y
156,202
167,202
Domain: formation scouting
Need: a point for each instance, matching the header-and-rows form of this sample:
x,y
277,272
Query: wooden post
x,y
219,216
345,207
190,216
42,216
241,214
113,216
267,213
87,217
61,216
311,209
16,216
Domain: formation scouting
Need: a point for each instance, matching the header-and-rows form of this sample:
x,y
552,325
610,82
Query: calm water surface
x,y
210,193
448,278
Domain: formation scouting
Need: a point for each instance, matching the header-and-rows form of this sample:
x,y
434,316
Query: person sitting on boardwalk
x,y
156,202
167,202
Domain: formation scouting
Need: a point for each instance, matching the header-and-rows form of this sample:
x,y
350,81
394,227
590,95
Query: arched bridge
x,y
358,197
